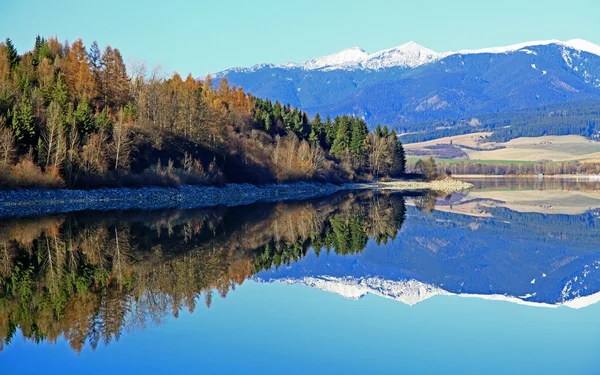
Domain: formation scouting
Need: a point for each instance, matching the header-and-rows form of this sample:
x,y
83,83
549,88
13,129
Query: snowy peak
x,y
577,44
409,292
409,55
345,58
584,45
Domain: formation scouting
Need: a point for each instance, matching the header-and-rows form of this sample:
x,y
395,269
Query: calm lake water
x,y
504,278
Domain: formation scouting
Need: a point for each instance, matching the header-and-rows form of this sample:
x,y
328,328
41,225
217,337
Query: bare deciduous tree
x,y
121,143
7,145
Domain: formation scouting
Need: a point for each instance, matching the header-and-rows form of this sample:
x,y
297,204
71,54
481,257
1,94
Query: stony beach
x,y
29,202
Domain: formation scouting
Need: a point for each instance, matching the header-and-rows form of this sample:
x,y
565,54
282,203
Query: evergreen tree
x,y
399,163
385,131
313,137
59,93
102,121
83,119
35,56
329,132
317,131
22,122
342,140
11,53
357,142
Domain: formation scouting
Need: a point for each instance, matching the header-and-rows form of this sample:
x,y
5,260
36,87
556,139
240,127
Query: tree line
x,y
78,117
431,167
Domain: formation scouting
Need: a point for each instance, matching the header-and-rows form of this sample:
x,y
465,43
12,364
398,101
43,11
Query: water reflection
x,y
525,241
89,277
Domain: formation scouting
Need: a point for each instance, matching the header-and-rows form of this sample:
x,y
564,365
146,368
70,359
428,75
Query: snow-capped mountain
x,y
409,292
412,292
411,83
520,257
408,55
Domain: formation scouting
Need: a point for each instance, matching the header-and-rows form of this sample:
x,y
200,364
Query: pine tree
x,y
313,137
35,56
342,140
102,121
59,93
399,163
329,132
22,122
317,123
11,53
357,142
83,119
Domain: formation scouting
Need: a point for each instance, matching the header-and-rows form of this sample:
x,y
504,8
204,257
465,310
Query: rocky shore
x,y
30,202
447,185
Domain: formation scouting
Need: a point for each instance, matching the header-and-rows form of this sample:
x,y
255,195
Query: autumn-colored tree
x,y
114,81
4,64
79,79
427,168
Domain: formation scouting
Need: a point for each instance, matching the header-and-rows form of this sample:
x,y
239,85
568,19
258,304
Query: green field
x,y
456,161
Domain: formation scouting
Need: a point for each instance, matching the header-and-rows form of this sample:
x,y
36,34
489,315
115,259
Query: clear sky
x,y
208,36
291,329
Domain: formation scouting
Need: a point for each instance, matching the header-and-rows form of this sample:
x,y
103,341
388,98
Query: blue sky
x,y
209,36
292,329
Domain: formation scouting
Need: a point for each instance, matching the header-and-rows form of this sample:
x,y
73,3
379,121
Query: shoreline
x,y
590,177
31,202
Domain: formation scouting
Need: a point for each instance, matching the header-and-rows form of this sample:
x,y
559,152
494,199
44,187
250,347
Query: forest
x,y
78,117
89,277
578,118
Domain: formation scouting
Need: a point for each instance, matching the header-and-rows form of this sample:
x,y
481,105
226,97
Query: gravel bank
x,y
447,185
31,202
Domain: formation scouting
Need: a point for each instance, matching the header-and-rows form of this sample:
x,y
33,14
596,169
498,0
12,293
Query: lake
x,y
503,278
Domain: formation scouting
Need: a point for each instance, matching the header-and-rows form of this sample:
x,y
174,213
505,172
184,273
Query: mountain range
x,y
521,257
411,83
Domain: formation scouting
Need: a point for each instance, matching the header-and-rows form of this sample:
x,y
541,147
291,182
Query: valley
x,y
477,147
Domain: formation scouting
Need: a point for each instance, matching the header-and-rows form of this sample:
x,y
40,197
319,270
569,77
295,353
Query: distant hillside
x,y
572,118
411,84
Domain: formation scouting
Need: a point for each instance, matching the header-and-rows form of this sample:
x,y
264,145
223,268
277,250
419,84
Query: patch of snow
x,y
528,51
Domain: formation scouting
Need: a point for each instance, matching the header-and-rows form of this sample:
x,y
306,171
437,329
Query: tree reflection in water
x,y
89,276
